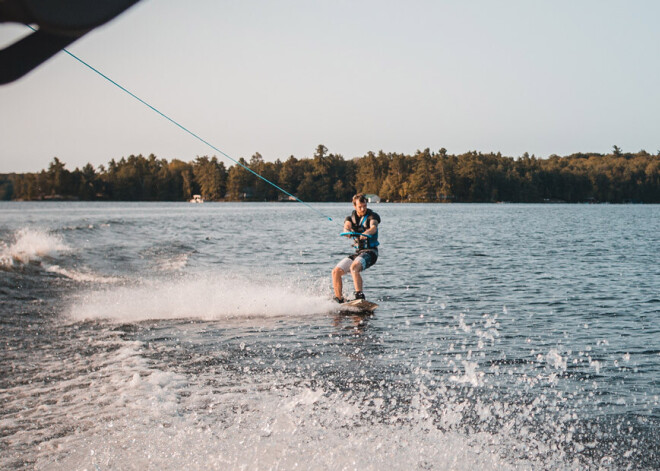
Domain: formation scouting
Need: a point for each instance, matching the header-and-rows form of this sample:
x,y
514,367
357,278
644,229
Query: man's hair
x,y
360,197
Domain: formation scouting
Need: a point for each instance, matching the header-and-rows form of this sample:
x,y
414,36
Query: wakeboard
x,y
358,306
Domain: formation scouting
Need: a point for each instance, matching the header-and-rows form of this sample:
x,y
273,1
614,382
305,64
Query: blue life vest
x,y
362,225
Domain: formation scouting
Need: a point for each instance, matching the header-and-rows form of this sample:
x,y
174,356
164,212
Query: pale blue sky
x,y
280,78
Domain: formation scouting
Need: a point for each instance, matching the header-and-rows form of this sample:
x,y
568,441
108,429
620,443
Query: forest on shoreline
x,y
426,176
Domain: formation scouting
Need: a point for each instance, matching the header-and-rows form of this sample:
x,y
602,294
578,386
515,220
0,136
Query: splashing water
x,y
30,245
209,297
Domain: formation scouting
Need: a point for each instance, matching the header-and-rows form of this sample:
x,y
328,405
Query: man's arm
x,y
372,229
348,227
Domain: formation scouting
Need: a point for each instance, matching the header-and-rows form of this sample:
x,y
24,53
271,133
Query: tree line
x,y
426,176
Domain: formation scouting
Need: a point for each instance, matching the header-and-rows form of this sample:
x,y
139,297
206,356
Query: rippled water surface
x,y
179,336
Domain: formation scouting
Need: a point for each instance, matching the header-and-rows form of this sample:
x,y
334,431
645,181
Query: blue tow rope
x,y
188,131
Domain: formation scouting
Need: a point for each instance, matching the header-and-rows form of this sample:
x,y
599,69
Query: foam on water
x,y
306,429
175,263
128,414
112,382
205,297
122,405
81,276
29,245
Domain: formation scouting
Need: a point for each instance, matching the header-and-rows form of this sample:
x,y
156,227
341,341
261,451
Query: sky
x,y
280,78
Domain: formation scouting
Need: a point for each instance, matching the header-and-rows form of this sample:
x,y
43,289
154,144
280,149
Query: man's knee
x,y
356,266
337,272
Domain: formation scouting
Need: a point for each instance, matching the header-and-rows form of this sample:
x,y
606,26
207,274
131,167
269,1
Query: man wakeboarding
x,y
362,224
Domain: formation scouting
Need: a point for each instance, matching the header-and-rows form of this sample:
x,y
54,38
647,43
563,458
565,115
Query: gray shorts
x,y
366,258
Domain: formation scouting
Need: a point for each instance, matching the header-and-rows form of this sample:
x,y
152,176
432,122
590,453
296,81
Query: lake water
x,y
179,336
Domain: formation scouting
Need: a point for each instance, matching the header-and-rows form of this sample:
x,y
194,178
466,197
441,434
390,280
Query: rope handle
x,y
355,234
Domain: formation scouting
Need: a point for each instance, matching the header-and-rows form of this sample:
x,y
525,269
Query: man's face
x,y
360,207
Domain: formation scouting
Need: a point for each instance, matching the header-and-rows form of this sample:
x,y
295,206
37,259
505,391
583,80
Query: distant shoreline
x,y
425,177
373,205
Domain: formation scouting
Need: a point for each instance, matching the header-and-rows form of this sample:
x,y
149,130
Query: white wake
x,y
206,297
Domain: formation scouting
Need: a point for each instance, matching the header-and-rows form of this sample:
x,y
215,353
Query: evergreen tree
x,y
211,177
239,181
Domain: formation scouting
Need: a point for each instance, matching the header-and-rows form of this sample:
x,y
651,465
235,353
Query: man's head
x,y
360,204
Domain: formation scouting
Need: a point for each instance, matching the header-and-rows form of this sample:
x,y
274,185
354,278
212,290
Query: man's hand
x,y
347,227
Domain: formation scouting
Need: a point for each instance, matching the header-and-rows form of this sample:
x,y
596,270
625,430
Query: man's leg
x,y
337,273
356,269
